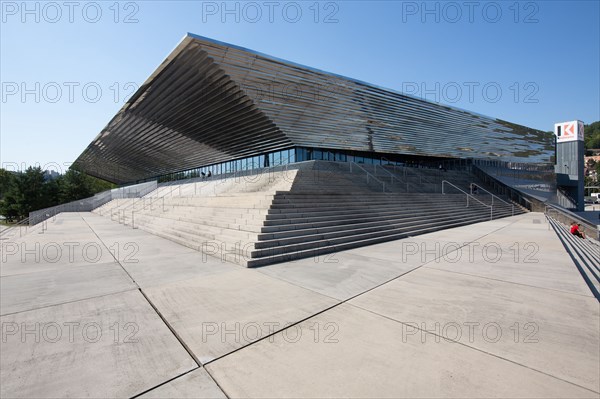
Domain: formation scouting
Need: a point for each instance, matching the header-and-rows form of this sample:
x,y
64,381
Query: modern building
x,y
213,106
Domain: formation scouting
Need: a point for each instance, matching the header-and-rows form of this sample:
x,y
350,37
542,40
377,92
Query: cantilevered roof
x,y
211,102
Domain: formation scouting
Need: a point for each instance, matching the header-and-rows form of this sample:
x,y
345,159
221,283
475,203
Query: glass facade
x,y
301,154
276,158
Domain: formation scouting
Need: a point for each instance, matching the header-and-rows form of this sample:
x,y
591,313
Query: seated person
x,y
575,230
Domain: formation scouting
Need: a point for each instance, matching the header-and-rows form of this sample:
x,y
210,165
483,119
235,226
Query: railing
x,y
473,185
531,203
468,195
91,203
392,177
168,190
11,228
566,217
224,177
408,171
585,253
369,175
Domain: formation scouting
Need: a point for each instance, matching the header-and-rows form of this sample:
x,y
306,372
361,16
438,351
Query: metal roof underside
x,y
211,102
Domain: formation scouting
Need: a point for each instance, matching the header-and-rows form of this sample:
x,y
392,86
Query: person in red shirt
x,y
575,230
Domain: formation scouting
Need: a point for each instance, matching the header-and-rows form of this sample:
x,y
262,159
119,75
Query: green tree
x,y
592,135
75,185
26,193
30,191
6,180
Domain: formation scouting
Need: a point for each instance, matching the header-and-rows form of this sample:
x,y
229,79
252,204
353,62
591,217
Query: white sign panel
x,y
568,131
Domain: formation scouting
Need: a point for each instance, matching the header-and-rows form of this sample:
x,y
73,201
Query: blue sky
x,y
67,69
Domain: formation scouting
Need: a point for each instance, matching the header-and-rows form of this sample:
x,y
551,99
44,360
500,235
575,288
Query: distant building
x,y
51,175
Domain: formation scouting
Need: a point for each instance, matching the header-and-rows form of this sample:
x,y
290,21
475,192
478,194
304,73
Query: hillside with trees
x,y
592,136
24,192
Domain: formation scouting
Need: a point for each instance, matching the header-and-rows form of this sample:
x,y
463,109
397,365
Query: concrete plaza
x,y
92,308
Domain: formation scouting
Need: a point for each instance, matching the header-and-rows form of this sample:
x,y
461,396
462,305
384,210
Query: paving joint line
x,y
472,347
164,383
164,320
55,270
73,301
331,307
510,282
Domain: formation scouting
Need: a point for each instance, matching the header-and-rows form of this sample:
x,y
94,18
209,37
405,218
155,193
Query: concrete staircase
x,y
221,217
304,225
584,252
306,209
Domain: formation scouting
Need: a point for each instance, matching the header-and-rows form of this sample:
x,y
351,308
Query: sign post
x,y
569,166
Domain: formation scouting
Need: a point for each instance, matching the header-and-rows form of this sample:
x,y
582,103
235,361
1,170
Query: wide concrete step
x,y
319,207
233,203
316,217
382,231
238,252
205,231
337,224
286,217
244,224
586,261
197,210
248,222
315,235
308,221
276,255
331,199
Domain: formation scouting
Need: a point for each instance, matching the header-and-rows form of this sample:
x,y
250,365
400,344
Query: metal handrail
x,y
513,193
493,196
589,227
409,172
20,224
468,195
414,173
392,176
368,174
